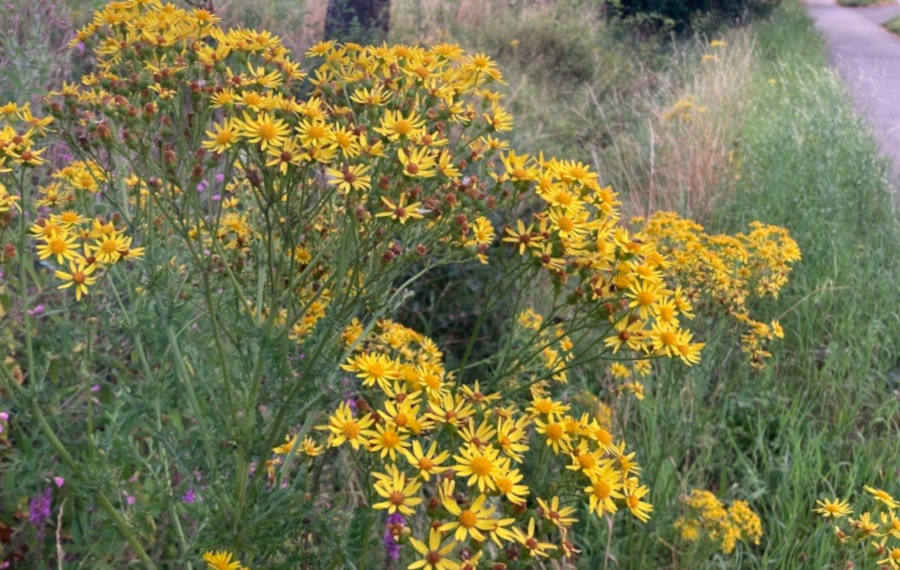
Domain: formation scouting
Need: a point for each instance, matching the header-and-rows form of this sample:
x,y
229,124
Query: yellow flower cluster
x,y
878,528
577,238
683,109
406,121
455,456
708,518
19,132
721,273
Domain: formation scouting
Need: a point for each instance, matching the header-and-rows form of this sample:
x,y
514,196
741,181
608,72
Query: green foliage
x,y
697,15
859,3
893,25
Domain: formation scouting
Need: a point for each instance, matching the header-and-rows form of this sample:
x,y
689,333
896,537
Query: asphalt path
x,y
868,58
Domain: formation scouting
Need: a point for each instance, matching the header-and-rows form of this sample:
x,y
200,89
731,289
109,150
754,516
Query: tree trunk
x,y
360,21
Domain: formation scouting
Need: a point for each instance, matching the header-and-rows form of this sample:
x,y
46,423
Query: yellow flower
x,y
345,428
373,368
61,245
388,440
512,439
418,163
555,434
449,409
400,211
546,407
264,129
633,495
645,295
584,459
285,447
315,133
399,492
561,517
479,465
311,448
426,462
523,236
446,166
79,275
395,126
472,521
288,154
508,484
435,555
107,249
374,97
606,485
882,497
477,436
836,508
534,546
221,560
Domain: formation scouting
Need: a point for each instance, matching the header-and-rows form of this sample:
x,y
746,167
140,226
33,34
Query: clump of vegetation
x,y
893,25
207,246
859,3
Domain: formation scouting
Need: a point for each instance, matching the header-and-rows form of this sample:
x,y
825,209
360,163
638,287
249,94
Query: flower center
x,y
646,298
58,246
554,431
602,489
390,439
351,429
482,465
402,127
267,131
468,519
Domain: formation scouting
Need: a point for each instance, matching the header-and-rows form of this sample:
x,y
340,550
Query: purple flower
x,y
203,185
394,526
190,496
37,311
59,481
39,509
129,499
95,388
220,178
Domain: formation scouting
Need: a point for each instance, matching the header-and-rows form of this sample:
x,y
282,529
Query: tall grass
x,y
823,419
32,36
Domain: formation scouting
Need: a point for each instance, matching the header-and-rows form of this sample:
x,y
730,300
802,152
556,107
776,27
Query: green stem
x,y
188,384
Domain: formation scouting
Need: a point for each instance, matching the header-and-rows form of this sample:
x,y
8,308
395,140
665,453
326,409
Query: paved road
x,y
868,58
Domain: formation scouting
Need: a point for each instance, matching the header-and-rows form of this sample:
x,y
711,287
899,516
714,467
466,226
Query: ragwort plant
x,y
873,536
199,310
